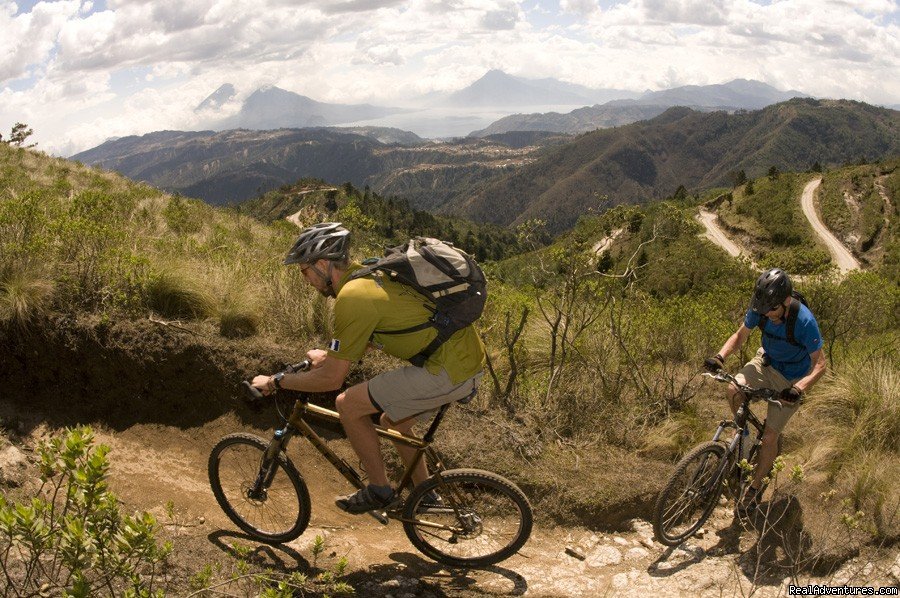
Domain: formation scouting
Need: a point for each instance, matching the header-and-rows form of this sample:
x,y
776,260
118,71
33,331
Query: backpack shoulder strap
x,y
791,321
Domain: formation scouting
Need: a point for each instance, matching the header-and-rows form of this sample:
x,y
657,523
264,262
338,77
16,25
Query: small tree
x,y
774,172
18,134
749,190
738,178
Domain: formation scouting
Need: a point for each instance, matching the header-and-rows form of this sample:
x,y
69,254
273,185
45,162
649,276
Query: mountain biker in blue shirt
x,y
790,368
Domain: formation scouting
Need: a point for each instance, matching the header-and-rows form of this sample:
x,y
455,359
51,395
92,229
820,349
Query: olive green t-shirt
x,y
374,303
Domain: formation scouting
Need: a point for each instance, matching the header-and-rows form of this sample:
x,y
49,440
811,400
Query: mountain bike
x,y
458,517
693,490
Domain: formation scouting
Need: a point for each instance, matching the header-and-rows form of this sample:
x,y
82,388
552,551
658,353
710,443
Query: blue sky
x,y
79,72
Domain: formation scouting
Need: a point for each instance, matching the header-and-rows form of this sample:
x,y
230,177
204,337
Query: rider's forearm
x,y
311,381
818,370
733,343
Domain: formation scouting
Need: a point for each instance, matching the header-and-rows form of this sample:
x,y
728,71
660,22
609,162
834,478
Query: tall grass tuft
x,y
860,410
178,295
857,435
236,304
674,436
25,294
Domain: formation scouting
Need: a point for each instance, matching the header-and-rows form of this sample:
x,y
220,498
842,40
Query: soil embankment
x,y
161,397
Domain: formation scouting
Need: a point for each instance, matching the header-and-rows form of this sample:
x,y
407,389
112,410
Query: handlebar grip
x,y
299,367
252,393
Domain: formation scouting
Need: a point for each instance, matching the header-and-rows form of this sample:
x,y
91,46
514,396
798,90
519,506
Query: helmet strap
x,y
329,285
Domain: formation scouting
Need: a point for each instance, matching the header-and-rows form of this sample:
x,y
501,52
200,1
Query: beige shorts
x,y
411,390
757,375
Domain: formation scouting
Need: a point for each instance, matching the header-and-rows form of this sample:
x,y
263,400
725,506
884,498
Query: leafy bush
x,y
70,538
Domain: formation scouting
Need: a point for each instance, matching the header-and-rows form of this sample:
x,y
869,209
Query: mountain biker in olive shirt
x,y
363,308
790,368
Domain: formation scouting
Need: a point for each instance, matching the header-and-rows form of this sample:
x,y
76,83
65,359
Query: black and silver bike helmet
x,y
325,241
772,288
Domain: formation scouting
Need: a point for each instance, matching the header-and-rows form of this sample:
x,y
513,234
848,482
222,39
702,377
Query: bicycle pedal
x,y
380,516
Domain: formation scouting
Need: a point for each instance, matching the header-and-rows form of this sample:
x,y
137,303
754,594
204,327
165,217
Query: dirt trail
x,y
295,217
154,464
715,234
606,242
842,257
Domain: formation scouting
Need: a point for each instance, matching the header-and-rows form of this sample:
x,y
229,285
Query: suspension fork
x,y
268,464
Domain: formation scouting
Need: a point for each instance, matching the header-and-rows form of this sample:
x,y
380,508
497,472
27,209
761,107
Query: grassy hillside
x,y
649,160
122,294
859,204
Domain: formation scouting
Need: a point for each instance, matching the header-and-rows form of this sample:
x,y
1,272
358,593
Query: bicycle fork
x,y
268,466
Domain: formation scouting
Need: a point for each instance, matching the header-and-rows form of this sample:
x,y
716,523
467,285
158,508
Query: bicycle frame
x,y
296,424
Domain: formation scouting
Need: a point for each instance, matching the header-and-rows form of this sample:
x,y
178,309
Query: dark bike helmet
x,y
772,288
325,241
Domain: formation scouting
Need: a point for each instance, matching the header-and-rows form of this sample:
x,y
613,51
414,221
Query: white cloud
x,y
579,7
74,71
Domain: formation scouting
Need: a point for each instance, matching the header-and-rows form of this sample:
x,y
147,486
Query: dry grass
x,y
854,438
25,294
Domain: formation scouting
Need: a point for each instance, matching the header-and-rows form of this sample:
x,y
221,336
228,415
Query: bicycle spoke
x,y
276,513
483,517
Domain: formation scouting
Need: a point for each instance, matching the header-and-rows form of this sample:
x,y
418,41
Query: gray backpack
x,y
452,284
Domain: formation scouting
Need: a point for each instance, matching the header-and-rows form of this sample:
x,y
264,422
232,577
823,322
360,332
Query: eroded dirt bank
x,y
161,397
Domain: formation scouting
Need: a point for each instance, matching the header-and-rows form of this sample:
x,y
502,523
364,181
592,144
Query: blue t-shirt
x,y
790,360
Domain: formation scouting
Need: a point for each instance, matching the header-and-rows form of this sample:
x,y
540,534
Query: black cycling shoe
x,y
363,501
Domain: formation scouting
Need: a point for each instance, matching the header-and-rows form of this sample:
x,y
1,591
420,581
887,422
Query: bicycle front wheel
x,y
690,495
467,518
275,514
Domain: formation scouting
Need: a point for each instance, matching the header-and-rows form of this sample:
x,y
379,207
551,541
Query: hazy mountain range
x,y
510,177
273,108
739,94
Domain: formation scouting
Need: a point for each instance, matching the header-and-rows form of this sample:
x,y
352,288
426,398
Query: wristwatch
x,y
276,380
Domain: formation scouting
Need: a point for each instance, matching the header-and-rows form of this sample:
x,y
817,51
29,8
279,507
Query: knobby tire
x,y
282,514
690,495
493,516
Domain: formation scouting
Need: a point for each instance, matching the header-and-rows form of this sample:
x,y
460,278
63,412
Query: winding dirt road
x,y
717,235
841,256
295,217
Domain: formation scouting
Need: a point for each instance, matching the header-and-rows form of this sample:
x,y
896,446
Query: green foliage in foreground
x,y
71,538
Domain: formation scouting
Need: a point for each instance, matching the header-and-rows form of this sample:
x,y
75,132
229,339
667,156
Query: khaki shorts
x,y
411,390
757,375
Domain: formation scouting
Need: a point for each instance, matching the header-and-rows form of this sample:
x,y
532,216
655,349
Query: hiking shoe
x,y
363,501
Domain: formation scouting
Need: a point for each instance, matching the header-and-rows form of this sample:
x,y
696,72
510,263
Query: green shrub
x,y
70,538
183,216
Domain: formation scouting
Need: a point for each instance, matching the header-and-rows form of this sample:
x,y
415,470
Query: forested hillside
x,y
649,160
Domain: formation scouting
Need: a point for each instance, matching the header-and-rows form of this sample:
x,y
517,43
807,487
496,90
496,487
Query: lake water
x,y
436,123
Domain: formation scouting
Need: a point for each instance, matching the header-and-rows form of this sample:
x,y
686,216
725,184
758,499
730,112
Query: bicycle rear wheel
x,y
690,495
480,518
276,514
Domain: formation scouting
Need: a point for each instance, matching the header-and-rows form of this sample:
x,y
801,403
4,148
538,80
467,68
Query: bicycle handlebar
x,y
761,394
254,394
